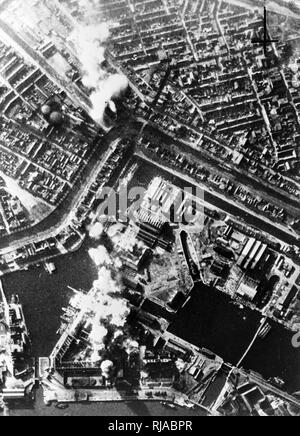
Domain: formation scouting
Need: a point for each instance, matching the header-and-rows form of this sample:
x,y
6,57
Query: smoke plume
x,y
90,43
95,231
107,89
106,310
124,240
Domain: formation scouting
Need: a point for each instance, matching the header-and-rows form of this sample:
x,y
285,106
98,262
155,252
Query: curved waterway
x,y
209,320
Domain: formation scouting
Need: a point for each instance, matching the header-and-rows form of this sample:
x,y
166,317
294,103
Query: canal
x,y
213,200
212,321
209,319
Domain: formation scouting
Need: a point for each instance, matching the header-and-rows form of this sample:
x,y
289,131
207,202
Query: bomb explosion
x,y
90,44
196,295
104,311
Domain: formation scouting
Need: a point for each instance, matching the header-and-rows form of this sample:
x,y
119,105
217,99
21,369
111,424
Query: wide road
x,y
250,218
269,192
267,386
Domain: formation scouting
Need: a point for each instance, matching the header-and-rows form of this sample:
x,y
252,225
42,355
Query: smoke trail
x,y
89,8
90,45
100,256
107,89
107,311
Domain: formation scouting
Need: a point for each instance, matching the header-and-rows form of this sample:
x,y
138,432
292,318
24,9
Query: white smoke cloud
x,y
95,231
122,240
106,310
100,256
90,45
97,337
107,89
131,346
107,368
89,9
118,334
86,4
180,365
114,230
125,241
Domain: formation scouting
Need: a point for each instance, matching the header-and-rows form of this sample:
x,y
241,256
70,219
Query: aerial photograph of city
x,y
150,210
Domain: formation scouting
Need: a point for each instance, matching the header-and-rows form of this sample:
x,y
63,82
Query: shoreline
x,y
106,409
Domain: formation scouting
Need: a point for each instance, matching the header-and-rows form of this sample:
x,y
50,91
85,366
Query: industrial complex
x,y
155,144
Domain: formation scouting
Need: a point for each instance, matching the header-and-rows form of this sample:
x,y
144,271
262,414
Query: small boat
x,y
15,299
277,381
62,406
168,405
50,267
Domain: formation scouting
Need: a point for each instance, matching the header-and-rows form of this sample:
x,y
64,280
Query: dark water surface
x,y
212,321
209,320
43,296
115,410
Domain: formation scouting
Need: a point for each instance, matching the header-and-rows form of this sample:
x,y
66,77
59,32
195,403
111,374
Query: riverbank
x,y
43,296
113,409
209,320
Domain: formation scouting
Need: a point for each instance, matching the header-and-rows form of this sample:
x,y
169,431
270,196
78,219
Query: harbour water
x,y
221,327
209,320
227,330
224,328
43,296
115,410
